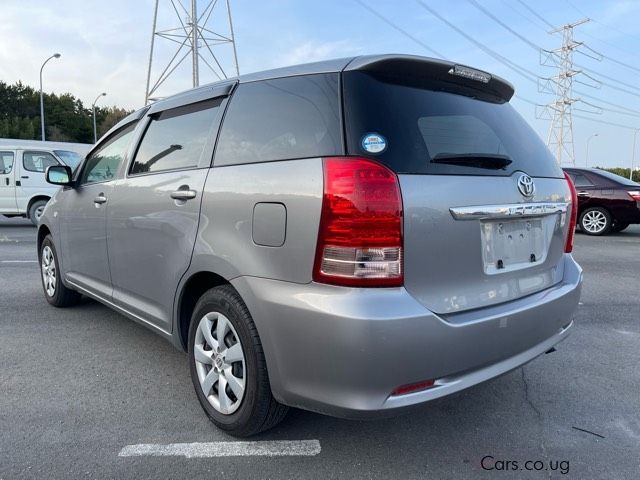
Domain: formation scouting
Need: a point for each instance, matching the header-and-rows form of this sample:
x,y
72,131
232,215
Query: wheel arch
x,y
43,231
190,292
34,199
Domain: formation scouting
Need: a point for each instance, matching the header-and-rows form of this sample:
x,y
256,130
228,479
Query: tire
x,y
254,409
595,221
35,211
54,290
618,227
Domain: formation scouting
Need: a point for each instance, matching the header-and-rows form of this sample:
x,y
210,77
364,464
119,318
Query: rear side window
x,y
412,129
6,162
175,139
580,180
285,118
38,161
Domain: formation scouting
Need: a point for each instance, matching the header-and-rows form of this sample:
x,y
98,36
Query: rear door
x,y
7,182
585,188
484,201
153,219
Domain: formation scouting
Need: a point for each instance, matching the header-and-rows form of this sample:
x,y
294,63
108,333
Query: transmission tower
x,y
190,35
560,139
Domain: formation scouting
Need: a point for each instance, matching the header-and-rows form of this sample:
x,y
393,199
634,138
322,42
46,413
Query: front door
x,y
7,182
83,226
152,221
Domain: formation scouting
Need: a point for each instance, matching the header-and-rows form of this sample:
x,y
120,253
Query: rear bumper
x,y
341,351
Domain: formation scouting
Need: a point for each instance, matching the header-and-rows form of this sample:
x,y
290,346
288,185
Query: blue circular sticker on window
x,y
374,143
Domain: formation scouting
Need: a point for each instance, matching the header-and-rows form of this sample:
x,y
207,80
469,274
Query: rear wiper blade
x,y
475,160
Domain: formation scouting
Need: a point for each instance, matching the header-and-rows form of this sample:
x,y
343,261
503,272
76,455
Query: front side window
x,y
175,139
282,119
6,162
38,161
102,165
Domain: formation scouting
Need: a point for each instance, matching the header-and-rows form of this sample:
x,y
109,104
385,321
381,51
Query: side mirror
x,y
59,175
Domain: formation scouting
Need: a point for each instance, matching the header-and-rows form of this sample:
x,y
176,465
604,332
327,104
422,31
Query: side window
x,y
176,138
102,165
38,161
581,181
6,162
285,118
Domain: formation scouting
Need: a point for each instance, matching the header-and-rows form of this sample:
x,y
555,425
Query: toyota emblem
x,y
526,186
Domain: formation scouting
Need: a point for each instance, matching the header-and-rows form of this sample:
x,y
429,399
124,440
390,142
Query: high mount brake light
x,y
360,236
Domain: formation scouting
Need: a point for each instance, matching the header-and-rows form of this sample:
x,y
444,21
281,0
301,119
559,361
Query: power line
x,y
611,59
537,15
373,11
504,25
523,72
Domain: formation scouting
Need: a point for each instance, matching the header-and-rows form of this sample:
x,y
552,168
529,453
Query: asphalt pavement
x,y
79,385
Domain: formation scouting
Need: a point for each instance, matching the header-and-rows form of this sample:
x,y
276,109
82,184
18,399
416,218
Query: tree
x,y
67,119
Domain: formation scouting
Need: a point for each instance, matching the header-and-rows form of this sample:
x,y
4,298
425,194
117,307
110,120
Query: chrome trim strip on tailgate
x,y
483,212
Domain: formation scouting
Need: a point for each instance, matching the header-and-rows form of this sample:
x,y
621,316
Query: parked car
x,y
352,237
606,202
23,189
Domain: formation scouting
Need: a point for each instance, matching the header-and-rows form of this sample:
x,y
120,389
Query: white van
x,y
23,189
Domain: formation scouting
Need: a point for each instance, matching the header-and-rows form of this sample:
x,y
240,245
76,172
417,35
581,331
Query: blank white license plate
x,y
512,244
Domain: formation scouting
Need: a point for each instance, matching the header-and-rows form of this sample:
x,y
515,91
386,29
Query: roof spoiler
x,y
440,74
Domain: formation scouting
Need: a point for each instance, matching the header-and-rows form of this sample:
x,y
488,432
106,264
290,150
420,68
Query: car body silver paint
x,y
225,242
341,351
443,256
151,238
83,232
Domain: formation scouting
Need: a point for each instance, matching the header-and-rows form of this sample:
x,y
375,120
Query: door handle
x,y
6,180
181,194
583,194
100,199
24,176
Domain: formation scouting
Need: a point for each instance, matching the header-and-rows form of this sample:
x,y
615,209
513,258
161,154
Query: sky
x,y
105,48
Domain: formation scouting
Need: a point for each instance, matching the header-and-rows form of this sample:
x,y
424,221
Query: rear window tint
x,y
285,118
416,124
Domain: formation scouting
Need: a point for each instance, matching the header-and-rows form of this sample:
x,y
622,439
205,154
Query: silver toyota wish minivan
x,y
352,237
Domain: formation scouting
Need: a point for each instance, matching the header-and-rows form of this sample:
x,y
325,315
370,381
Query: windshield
x,y
617,178
71,159
411,129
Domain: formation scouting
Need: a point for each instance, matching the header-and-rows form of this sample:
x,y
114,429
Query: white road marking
x,y
275,448
18,261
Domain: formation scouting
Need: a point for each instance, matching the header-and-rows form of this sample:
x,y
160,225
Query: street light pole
x,y
586,162
633,154
93,109
55,55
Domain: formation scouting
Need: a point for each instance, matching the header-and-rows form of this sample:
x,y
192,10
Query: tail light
x,y
573,215
635,194
360,236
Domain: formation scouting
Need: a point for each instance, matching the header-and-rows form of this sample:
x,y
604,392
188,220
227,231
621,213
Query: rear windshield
x,y
617,178
415,130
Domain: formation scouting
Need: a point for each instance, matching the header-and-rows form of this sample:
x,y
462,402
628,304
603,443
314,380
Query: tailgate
x,y
472,242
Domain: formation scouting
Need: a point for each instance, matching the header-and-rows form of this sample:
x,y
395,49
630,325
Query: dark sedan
x,y
606,202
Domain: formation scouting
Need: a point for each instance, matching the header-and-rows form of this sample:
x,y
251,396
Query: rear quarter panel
x,y
225,243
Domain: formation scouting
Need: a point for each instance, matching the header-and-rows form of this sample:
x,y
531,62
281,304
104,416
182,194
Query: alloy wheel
x,y
220,363
594,221
48,267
